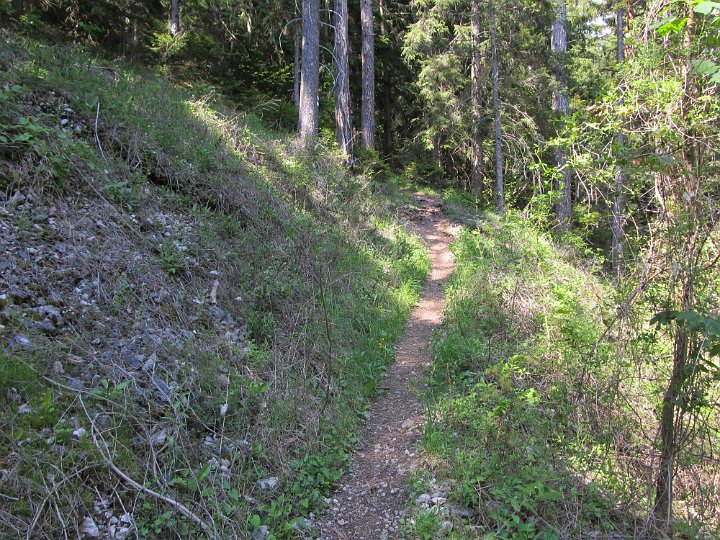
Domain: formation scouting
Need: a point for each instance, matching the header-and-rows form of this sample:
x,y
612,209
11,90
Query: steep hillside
x,y
192,316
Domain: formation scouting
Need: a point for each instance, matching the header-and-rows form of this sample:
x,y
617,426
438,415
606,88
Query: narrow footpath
x,y
370,501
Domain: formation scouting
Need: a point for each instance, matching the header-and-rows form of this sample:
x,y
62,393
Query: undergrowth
x,y
529,422
225,316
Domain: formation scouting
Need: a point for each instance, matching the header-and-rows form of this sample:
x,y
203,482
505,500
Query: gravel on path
x,y
370,500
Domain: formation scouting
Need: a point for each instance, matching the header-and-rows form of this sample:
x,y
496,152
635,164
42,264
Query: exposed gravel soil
x,y
370,501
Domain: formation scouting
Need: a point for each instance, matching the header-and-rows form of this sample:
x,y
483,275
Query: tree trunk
x,y
297,37
386,90
387,116
174,17
662,513
476,175
621,181
561,107
499,175
343,116
18,8
367,112
310,74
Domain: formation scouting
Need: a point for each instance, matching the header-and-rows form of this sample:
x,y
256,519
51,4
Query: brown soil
x,y
370,501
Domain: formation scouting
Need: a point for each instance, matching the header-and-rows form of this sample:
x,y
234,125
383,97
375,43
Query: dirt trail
x,y
370,501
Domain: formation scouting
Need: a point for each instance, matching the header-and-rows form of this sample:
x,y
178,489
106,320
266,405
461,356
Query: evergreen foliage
x,y
576,381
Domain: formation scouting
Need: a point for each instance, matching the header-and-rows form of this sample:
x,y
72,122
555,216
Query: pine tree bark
x,y
174,17
499,172
560,105
297,39
343,116
310,74
367,111
476,175
617,252
387,113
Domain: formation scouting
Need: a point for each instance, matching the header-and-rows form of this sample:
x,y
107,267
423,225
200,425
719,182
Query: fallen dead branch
x,y
184,510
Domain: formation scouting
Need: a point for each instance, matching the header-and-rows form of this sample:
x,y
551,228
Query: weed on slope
x,y
193,317
530,431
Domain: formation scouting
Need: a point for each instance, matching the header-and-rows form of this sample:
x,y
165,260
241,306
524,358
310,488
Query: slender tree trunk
x,y
174,17
297,39
387,116
386,90
662,513
343,116
560,108
621,179
435,151
367,111
499,174
476,175
310,74
18,8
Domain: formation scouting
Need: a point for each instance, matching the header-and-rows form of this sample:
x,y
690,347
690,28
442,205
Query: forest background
x,y
596,123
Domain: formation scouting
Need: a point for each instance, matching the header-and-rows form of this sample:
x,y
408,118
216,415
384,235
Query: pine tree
x,y
310,74
561,108
367,111
343,116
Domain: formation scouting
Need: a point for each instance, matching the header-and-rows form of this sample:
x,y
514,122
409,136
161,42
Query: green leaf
x,y
202,475
664,317
669,24
191,484
705,67
23,137
706,8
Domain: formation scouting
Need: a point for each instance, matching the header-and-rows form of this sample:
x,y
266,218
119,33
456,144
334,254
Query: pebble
x,y
268,483
76,384
45,326
460,511
75,360
88,528
24,409
158,438
20,342
261,533
149,364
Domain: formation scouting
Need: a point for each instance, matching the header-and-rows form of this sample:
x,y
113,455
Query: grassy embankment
x,y
542,424
188,303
